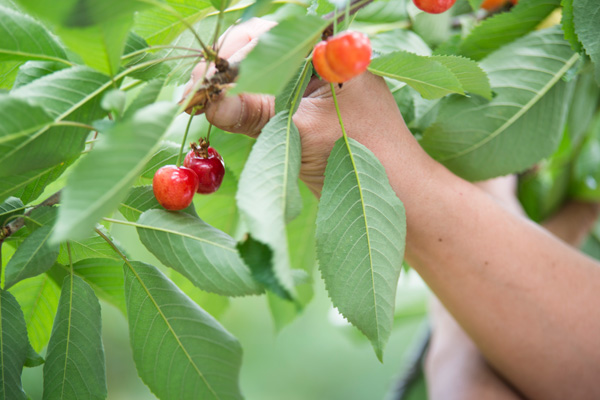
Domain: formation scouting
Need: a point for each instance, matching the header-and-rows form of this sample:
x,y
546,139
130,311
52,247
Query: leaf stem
x,y
185,135
74,124
114,247
158,47
337,110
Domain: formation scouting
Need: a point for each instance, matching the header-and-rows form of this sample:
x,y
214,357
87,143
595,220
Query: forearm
x,y
515,289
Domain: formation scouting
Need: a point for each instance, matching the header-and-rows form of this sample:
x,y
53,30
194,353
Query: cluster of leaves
x,y
81,83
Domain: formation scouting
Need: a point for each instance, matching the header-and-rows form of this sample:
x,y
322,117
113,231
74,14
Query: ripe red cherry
x,y
173,187
210,170
434,6
342,57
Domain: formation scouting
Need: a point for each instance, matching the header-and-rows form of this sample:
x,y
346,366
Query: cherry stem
x,y
187,129
339,114
156,48
218,27
208,134
209,53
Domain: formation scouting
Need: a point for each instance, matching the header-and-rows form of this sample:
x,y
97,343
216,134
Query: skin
x,y
455,368
526,299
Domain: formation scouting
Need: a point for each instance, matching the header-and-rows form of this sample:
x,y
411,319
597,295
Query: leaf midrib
x,y
519,113
175,336
364,212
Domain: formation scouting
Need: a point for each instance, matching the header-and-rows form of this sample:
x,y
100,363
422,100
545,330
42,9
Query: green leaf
x,y
426,75
203,254
160,25
166,154
32,70
147,96
105,277
99,46
214,304
133,57
73,13
114,102
33,257
28,186
503,28
258,256
180,351
477,139
93,246
14,347
585,18
583,106
33,358
268,196
12,206
140,199
568,25
469,74
69,94
288,99
475,4
399,39
74,366
20,120
102,179
38,298
8,73
279,54
361,230
23,38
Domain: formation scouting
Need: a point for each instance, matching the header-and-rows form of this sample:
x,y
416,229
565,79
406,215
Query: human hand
x,y
368,109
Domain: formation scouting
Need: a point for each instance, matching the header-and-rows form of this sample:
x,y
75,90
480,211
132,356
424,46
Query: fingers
x,y
240,35
245,113
234,45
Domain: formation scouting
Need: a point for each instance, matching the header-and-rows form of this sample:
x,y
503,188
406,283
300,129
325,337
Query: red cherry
x,y
210,170
434,6
173,187
342,57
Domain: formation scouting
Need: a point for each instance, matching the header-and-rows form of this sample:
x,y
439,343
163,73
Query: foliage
x,y
88,107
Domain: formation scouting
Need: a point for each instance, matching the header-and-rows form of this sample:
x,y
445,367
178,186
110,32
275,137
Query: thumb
x,y
244,113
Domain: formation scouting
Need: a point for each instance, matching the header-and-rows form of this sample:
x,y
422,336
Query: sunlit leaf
x,y
23,38
160,25
101,180
70,94
38,298
279,54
